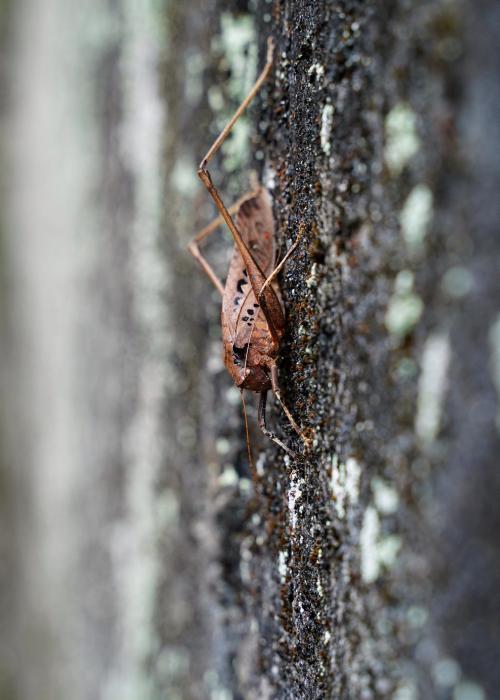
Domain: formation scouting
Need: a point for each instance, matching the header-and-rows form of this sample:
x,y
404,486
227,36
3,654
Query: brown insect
x,y
253,319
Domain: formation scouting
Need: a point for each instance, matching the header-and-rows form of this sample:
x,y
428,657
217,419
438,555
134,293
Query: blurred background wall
x,y
98,352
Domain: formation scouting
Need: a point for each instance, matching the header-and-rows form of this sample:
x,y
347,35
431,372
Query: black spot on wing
x,y
240,284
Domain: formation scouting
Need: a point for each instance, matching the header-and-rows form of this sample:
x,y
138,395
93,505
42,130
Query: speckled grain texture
x,y
365,127
135,546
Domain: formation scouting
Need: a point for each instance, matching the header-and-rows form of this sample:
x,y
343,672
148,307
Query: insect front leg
x,y
261,413
277,393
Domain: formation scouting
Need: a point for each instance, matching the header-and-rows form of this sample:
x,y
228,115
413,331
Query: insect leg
x,y
269,302
277,393
254,90
205,265
262,423
194,249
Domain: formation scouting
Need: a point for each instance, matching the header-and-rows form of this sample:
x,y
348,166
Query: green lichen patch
x,y
402,141
446,672
457,282
467,690
238,47
415,217
405,307
432,386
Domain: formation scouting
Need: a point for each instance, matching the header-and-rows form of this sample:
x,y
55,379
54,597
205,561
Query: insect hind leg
x,y
205,232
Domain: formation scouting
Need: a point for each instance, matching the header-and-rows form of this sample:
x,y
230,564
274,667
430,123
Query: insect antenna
x,y
279,267
253,470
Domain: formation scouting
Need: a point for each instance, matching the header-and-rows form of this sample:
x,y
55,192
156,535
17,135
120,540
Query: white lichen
x,y
385,497
245,485
432,386
401,137
260,464
326,128
353,474
215,98
228,477
269,177
222,445
312,279
345,483
183,177
294,494
403,283
282,567
370,565
415,217
388,549
318,71
376,552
